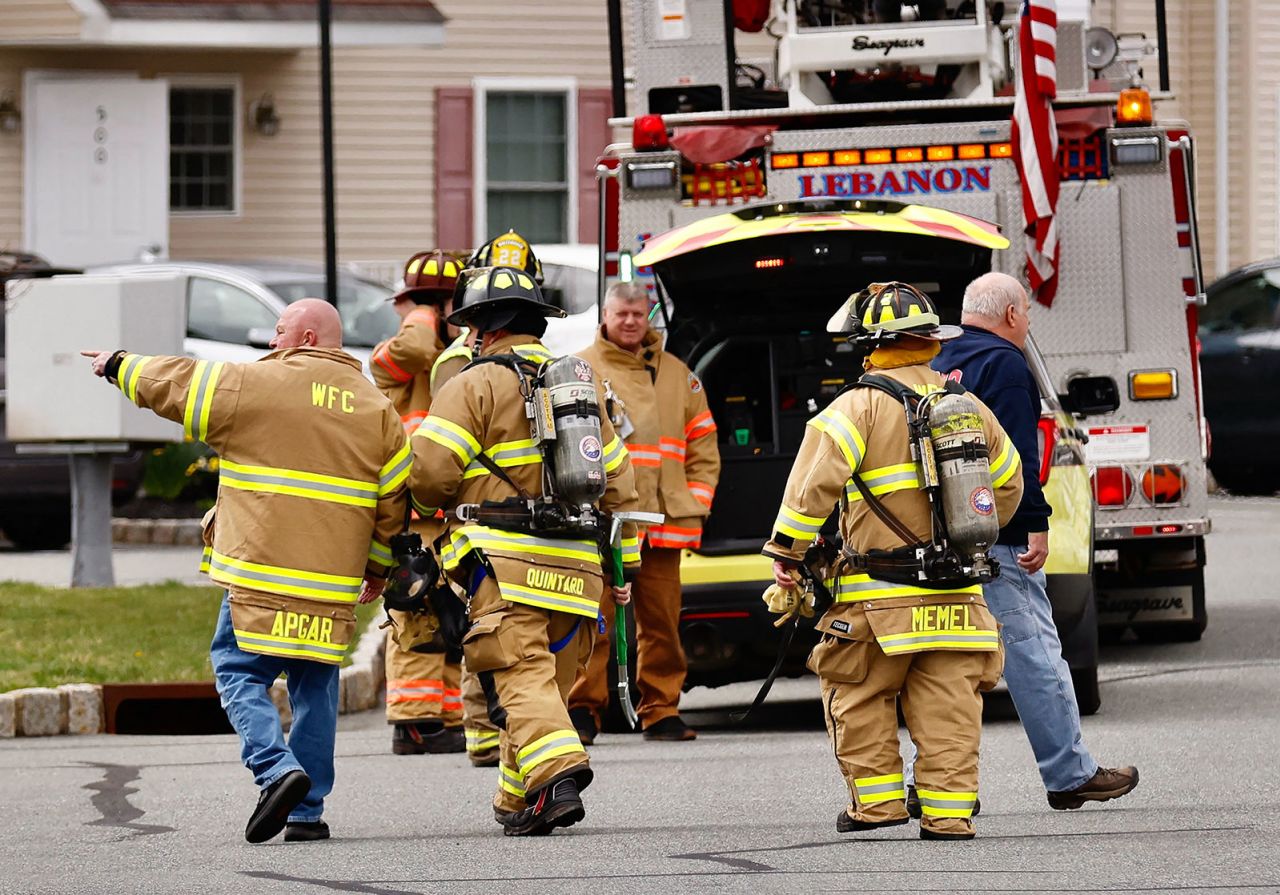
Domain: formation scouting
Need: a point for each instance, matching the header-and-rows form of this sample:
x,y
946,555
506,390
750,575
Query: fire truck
x,y
872,142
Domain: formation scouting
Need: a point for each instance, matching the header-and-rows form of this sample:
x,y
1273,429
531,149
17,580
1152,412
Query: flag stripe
x,y
1035,142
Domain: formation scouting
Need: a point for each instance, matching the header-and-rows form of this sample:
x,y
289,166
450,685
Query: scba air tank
x,y
964,472
578,455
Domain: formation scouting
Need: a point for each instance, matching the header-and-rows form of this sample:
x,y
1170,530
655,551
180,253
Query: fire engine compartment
x,y
750,317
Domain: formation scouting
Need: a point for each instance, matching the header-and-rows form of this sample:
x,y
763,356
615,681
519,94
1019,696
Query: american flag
x,y
1035,142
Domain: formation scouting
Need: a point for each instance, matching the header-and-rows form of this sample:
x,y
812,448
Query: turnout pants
x,y
514,642
939,692
421,686
660,661
482,734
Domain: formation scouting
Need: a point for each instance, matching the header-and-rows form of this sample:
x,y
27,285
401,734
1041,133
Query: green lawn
x,y
154,633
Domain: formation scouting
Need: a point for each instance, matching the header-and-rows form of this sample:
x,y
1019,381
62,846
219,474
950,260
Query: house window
x,y
202,149
527,164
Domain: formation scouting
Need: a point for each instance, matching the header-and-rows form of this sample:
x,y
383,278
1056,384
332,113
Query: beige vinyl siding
x,y
37,20
384,113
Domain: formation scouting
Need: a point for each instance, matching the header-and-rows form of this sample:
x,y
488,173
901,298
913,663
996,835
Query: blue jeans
x,y
243,680
1037,676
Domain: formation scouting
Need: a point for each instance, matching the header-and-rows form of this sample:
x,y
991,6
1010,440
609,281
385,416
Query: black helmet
x,y
497,295
884,311
508,250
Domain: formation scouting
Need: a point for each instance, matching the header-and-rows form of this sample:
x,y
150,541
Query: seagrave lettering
x,y
901,182
862,42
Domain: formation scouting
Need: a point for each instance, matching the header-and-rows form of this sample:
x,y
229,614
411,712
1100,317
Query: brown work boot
x,y
946,828
1107,784
670,729
485,759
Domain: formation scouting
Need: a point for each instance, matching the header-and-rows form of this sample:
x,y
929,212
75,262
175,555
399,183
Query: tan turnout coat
x,y
313,468
401,365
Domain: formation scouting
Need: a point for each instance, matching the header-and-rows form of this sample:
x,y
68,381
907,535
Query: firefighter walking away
x,y
922,476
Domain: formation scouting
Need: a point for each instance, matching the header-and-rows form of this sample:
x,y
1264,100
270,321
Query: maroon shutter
x,y
455,166
594,106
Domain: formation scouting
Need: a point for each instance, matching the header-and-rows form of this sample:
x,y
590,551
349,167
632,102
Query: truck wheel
x,y
1088,694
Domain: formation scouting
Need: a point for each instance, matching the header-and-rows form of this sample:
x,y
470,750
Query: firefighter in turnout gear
x,y
424,682
533,588
659,408
314,464
895,631
481,733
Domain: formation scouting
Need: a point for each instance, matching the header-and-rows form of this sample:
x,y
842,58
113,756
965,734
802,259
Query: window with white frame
x,y
202,148
527,164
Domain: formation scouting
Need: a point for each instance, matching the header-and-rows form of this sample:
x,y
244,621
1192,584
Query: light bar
x,y
815,159
769,263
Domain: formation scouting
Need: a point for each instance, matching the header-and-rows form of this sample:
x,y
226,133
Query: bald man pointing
x,y
312,487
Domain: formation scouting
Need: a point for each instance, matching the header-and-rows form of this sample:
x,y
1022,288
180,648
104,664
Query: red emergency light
x,y
1112,486
770,263
649,134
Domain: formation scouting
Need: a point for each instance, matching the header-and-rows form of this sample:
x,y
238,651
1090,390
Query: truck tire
x,y
1080,650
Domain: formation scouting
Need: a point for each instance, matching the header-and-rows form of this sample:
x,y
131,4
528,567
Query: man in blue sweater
x,y
988,361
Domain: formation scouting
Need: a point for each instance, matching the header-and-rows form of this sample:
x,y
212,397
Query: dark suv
x,y
35,489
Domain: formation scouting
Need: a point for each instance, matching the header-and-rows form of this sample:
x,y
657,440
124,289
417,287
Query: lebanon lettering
x,y
897,182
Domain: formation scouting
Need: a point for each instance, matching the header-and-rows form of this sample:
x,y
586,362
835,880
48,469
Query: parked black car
x,y
1240,364
35,490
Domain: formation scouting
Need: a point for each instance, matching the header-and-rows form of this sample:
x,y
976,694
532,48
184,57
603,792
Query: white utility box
x,y
52,392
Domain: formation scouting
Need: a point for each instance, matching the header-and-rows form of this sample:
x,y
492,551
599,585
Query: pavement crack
x,y
112,799
335,885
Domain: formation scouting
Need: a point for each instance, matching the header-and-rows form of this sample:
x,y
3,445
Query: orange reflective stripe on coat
x,y
382,357
673,536
672,449
702,493
408,690
452,699
700,425
645,454
412,420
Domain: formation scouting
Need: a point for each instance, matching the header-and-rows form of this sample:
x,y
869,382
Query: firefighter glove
x,y
787,601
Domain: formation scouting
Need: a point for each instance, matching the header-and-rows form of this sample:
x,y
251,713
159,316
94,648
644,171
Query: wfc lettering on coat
x,y
901,182
326,396
545,579
941,618
300,626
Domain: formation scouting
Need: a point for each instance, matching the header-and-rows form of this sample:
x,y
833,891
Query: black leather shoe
x,y
306,831
846,824
557,805
274,805
585,724
427,738
671,730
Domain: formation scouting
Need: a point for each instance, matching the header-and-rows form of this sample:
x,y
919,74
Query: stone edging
x,y
77,709
183,532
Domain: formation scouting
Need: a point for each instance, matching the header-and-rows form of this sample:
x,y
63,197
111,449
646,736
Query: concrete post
x,y
91,521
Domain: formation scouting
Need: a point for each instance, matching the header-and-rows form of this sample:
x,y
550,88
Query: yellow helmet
x,y
885,311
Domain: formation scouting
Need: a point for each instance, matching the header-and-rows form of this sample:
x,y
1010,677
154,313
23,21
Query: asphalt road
x,y
736,811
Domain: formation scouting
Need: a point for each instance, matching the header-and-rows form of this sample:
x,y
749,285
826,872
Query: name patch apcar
x,y
315,628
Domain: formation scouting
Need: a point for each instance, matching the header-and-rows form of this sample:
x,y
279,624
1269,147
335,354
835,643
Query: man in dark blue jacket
x,y
988,361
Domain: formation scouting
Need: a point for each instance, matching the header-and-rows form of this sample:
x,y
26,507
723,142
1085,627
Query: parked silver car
x,y
232,307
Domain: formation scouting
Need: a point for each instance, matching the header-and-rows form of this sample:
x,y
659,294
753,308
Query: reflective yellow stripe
x,y
614,453
506,454
381,554
451,435
458,348
546,599
553,745
194,391
422,509
1005,465
463,540
480,740
535,353
277,579
127,374
206,403
298,483
884,479
511,780
946,804
885,788
630,550
919,641
840,429
852,588
796,524
205,556
395,471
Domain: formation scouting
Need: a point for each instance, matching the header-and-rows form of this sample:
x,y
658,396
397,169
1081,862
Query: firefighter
x,y
424,682
659,407
533,593
301,528
896,629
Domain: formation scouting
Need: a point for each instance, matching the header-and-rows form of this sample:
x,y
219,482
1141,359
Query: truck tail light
x,y
649,134
1112,486
1046,435
1163,483
1153,385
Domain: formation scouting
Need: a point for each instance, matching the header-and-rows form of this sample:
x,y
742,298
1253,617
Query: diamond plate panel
x,y
698,59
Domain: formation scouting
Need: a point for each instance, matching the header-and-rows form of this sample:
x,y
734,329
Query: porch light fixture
x,y
10,117
262,112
